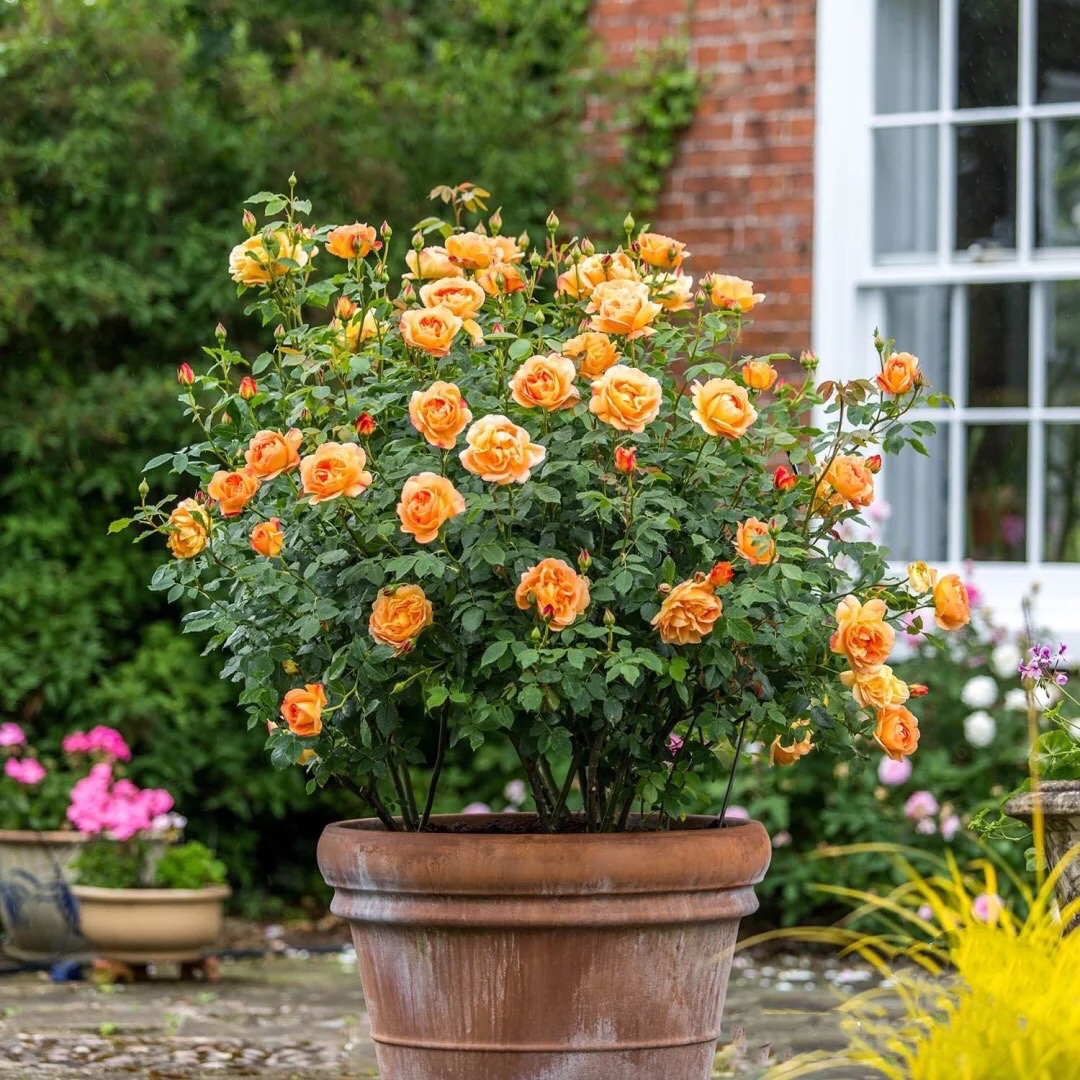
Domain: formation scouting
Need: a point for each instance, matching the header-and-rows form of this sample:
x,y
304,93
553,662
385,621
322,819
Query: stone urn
x,y
1059,803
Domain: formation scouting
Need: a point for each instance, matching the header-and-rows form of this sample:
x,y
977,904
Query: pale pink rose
x,y
477,808
894,773
920,804
986,907
950,826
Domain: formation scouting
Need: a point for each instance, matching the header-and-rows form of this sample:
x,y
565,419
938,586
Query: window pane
x,y
918,319
1058,54
998,345
905,191
917,489
1057,163
907,55
989,32
997,492
1062,493
1063,359
985,187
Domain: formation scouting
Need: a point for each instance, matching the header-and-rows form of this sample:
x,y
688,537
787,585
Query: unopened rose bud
x,y
606,262
784,479
535,635
497,328
873,463
305,415
524,241
344,308
292,179
407,291
879,341
185,374
625,459
226,418
144,489
584,560
418,240
249,222
248,388
918,689
385,231
290,667
220,333
536,259
365,424
279,333
721,574
588,247
609,618
808,360
552,222
663,588
495,221
629,223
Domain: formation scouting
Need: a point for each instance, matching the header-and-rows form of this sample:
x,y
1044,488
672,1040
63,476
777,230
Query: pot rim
x,y
30,837
149,896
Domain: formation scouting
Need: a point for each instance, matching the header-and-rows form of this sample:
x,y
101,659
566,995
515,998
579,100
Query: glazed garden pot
x,y
37,911
508,955
145,926
1059,802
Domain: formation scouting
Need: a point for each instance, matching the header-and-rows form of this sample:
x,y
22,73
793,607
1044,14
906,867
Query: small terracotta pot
x,y
144,926
524,956
1059,803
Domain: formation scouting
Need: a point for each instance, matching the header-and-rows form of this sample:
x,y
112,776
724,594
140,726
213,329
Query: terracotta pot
x,y
1059,801
512,956
38,913
144,926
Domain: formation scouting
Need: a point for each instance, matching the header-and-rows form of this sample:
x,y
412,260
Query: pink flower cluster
x,y
102,740
12,735
100,804
27,771
920,809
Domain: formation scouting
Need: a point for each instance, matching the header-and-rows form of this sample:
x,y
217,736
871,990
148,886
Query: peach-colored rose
x,y
594,352
900,374
782,755
921,578
559,593
754,542
862,635
758,374
625,398
354,241
673,292
952,605
688,612
462,297
430,329
876,689
269,453
399,615
500,452
501,279
334,469
897,731
545,382
440,414
302,709
251,263
345,308
427,502
623,308
662,251
431,263
267,539
352,334
471,250
582,277
507,249
722,407
233,490
732,293
189,526
851,480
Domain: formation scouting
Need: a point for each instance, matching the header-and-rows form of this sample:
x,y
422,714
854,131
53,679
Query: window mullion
x,y
1025,149
1038,341
947,67
957,505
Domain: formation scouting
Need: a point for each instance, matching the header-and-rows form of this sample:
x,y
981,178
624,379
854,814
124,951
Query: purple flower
x,y
28,771
674,744
894,773
925,912
12,735
950,826
920,804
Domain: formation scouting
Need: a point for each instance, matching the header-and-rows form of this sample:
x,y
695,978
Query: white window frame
x,y
846,310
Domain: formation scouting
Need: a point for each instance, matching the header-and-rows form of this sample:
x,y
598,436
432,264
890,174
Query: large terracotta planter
x,y
511,956
145,926
37,910
1059,801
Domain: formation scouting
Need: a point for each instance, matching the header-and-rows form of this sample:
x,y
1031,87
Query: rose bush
x,y
563,513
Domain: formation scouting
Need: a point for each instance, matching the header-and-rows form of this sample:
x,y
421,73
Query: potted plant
x,y
534,496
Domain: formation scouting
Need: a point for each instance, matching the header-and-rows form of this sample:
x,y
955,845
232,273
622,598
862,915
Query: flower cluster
x,y
1046,666
101,803
104,741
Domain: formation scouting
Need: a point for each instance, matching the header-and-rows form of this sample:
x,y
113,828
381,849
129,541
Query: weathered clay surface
x,y
1059,801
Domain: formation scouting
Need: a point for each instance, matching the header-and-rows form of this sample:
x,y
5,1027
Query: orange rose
x,y
545,382
900,374
583,276
233,490
624,308
345,308
251,263
673,292
952,606
431,262
732,293
758,374
559,593
334,469
625,398
270,454
354,241
471,250
850,478
862,635
788,755
267,539
353,334
753,542
506,249
399,615
595,353
189,526
499,451
659,250
427,502
897,731
501,279
440,414
722,407
430,329
688,612
462,297
876,689
302,709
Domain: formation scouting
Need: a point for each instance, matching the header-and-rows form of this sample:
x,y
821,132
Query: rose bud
x,y
663,588
249,222
385,231
721,574
220,333
248,388
365,424
552,222
918,689
185,375
625,459
584,560
784,479
279,333
874,463
344,308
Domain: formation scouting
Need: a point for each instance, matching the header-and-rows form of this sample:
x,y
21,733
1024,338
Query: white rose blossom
x,y
980,692
980,729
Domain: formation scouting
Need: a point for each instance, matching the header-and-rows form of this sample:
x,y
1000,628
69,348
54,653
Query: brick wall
x,y
741,190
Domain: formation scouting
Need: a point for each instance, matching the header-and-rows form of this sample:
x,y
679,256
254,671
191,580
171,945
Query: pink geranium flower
x,y
12,735
26,771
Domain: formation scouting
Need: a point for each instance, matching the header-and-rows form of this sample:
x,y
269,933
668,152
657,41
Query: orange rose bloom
x,y
897,731
500,452
506,249
501,279
270,454
624,308
850,478
545,382
688,612
732,293
753,542
250,262
440,414
463,297
353,334
876,689
345,308
952,606
862,635
722,407
583,276
625,398
431,262
189,525
595,353
334,469
558,591
659,250
900,374
758,374
267,539
354,241
673,292
399,615
427,502
302,709
233,490
788,755
430,329
471,250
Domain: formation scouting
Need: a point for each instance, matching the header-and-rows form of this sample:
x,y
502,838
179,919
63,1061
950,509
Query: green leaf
x,y
472,619
120,524
530,697
494,652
